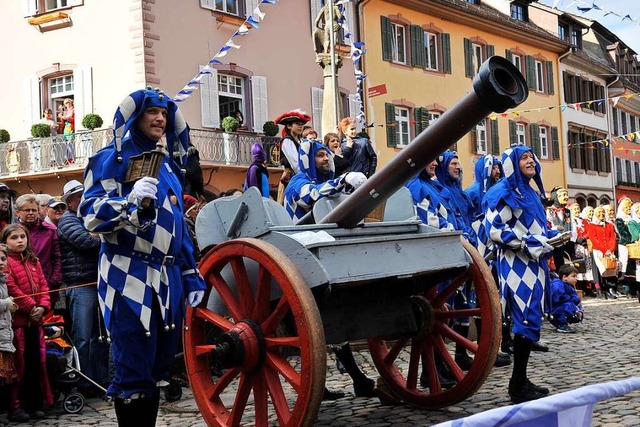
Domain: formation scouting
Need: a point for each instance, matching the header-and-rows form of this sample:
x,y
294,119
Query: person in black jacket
x,y
80,250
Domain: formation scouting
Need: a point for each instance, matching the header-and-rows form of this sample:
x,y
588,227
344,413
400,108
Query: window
x,y
520,133
517,61
230,95
575,38
539,82
402,126
544,142
54,4
519,11
227,6
431,48
399,44
433,116
628,171
623,122
481,137
478,57
563,32
60,88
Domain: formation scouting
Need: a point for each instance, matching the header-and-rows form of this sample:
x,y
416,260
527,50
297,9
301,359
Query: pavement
x,y
605,348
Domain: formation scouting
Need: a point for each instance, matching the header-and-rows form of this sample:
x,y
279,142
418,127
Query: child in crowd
x,y
27,285
566,306
7,308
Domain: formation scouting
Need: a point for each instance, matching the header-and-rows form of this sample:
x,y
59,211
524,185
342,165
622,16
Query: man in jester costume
x,y
146,266
516,222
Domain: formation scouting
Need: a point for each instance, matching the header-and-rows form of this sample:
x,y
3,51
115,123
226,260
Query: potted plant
x,y
229,124
41,130
4,136
270,128
92,121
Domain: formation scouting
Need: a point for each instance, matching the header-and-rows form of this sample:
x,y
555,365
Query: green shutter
x,y
530,71
495,137
474,139
418,53
446,53
513,138
491,50
387,38
417,118
424,115
390,113
556,143
550,77
468,58
508,55
534,131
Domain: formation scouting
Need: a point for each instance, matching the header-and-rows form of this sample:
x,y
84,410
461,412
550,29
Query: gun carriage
x,y
279,293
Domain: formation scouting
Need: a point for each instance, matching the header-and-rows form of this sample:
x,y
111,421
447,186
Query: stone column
x,y
331,94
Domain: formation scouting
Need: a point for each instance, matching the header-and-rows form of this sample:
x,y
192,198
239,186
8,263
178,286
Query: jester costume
x,y
146,266
430,199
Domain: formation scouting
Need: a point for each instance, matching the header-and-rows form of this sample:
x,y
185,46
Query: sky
x,y
628,31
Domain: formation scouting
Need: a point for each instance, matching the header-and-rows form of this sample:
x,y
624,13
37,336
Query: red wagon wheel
x,y
253,380
428,345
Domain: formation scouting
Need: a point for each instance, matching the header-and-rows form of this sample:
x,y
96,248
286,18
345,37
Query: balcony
x,y
41,157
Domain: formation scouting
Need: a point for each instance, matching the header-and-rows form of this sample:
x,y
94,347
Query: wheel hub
x,y
243,346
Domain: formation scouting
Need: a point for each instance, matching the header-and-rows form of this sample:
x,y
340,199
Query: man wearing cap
x,y
55,209
7,197
146,266
80,250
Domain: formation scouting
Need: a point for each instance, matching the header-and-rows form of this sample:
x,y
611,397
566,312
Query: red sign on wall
x,y
377,90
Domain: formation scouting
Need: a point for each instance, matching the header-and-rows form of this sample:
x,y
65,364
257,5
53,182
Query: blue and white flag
x,y
570,409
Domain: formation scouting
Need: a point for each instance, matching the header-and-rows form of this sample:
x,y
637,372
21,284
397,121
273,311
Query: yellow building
x,y
421,58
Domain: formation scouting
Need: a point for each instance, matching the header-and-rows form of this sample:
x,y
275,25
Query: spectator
x,y
332,140
309,132
7,197
43,239
293,122
47,118
28,287
258,174
566,306
7,307
191,210
69,118
602,235
232,192
55,209
357,150
516,222
146,268
43,204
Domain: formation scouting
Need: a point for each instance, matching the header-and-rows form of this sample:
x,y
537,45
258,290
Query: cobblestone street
x,y
605,348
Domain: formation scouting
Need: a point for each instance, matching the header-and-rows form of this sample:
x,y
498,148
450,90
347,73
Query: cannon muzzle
x,y
497,87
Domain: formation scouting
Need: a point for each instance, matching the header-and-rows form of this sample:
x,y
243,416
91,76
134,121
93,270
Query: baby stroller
x,y
63,365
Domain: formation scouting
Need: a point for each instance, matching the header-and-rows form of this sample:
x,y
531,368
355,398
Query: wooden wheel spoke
x,y
222,383
280,365
452,314
395,350
277,396
414,364
245,293
240,402
457,338
260,401
263,295
269,326
442,297
441,350
227,295
429,367
204,350
283,342
214,318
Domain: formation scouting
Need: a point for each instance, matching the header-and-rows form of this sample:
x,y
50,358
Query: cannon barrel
x,y
497,87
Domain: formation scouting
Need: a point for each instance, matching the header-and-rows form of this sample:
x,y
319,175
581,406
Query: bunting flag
x,y
252,21
627,137
584,7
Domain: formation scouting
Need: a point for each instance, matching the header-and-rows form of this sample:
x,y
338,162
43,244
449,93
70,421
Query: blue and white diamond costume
x,y
516,222
431,201
146,265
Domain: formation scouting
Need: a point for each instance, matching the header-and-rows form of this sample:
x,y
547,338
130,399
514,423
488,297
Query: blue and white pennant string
x,y
253,20
585,7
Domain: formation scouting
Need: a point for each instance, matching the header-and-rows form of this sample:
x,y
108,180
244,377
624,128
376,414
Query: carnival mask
x,y
609,212
625,205
575,210
563,196
599,213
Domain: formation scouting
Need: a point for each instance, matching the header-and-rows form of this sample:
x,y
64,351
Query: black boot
x,y
463,360
502,359
507,343
362,386
141,412
520,388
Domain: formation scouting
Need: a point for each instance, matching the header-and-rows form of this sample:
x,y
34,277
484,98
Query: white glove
x,y
194,298
355,179
145,187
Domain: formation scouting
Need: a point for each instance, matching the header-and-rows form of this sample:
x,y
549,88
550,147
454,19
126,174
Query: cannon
x,y
255,349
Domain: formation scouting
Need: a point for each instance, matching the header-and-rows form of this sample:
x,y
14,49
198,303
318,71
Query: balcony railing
x,y
57,153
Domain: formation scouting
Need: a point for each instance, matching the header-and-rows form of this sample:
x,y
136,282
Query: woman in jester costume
x,y
146,266
516,222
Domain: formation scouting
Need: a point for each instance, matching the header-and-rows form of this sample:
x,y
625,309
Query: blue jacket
x,y
79,250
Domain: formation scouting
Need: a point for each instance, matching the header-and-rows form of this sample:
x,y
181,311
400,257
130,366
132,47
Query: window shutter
x,y
417,118
602,159
550,77
508,55
530,71
30,8
567,89
418,54
491,50
259,102
614,119
425,118
387,42
468,58
31,97
446,53
495,137
209,107
390,117
83,93
317,95
474,139
354,107
534,131
513,137
556,143
208,4
618,170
